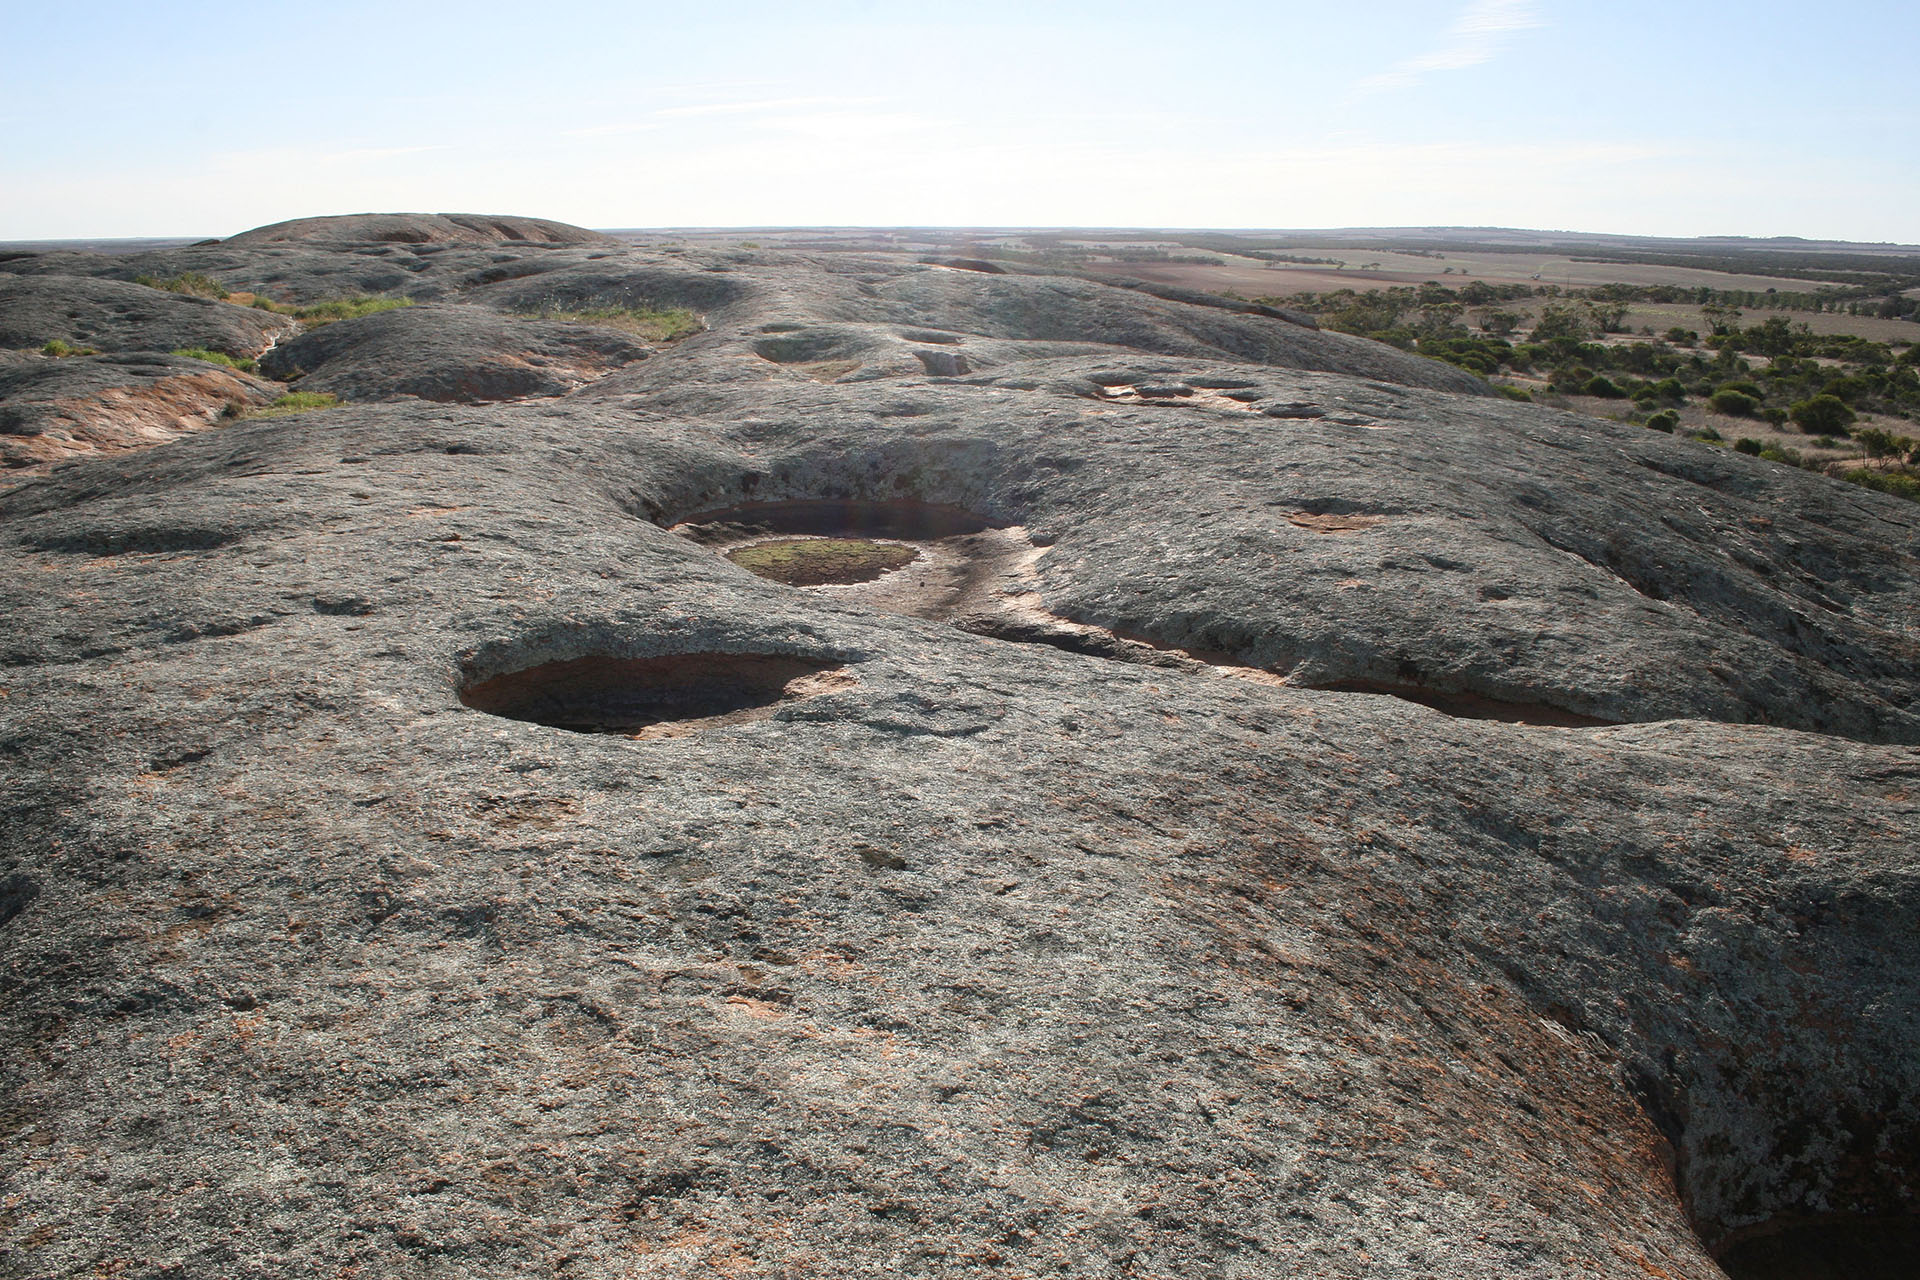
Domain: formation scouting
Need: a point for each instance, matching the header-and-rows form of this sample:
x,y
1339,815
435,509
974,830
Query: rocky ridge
x,y
858,941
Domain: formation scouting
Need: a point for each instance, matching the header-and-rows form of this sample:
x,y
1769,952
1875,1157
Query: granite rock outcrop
x,y
1308,817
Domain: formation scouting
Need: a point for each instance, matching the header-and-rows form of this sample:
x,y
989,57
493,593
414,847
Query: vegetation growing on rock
x,y
295,402
810,562
654,324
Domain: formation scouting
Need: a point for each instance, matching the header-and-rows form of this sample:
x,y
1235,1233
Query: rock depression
x,y
961,920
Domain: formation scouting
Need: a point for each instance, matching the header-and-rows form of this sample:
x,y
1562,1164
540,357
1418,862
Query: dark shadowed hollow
x,y
837,518
626,695
1851,1249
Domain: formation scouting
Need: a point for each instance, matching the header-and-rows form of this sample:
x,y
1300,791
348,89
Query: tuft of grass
x,y
296,402
315,314
337,309
1512,392
652,324
242,363
196,284
60,348
813,562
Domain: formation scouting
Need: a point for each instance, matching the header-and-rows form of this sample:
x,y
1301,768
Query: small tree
x,y
1561,323
1499,323
1876,443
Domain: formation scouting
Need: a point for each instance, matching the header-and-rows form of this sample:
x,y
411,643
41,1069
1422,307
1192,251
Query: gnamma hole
x,y
634,695
813,562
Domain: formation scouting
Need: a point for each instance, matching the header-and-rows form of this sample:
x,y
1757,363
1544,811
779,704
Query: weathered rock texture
x,y
981,957
452,353
419,228
54,410
114,315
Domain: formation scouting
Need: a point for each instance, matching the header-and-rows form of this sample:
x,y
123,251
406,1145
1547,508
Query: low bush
x,y
241,363
1604,387
1734,403
1748,445
1897,483
1822,415
60,348
1512,392
1665,420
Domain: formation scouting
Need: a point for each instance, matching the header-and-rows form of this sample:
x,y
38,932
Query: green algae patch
x,y
814,562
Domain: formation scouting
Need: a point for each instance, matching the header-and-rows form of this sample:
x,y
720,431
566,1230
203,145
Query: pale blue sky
x,y
1765,118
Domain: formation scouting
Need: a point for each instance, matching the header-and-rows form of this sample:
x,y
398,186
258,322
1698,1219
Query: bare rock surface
x,y
424,853
453,353
54,410
419,228
112,315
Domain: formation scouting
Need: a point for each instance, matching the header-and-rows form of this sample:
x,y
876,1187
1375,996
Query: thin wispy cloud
x,y
378,153
758,106
1476,36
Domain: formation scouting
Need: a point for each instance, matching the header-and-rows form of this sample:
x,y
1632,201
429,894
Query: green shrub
x,y
1774,416
1744,388
1822,415
1849,388
1747,445
193,283
1778,453
1682,337
60,348
296,402
1512,392
241,363
1604,387
1733,403
1665,420
1896,483
1709,435
652,324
